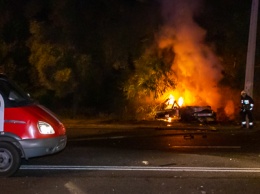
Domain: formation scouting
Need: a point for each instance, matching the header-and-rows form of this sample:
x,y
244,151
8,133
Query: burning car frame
x,y
171,110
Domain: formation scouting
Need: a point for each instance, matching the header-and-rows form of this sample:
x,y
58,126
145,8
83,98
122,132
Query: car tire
x,y
10,159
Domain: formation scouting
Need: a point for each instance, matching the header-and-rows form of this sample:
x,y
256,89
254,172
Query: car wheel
x,y
10,159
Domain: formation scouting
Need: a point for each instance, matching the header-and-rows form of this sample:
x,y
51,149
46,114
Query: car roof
x,y
3,76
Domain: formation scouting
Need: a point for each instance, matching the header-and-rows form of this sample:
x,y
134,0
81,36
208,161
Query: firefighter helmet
x,y
243,92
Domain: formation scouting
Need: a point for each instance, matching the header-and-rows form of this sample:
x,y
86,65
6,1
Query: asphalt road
x,y
145,158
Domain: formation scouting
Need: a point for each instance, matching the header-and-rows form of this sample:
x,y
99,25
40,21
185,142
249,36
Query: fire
x,y
180,101
171,99
171,102
197,70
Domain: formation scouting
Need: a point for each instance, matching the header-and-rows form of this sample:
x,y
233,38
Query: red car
x,y
27,129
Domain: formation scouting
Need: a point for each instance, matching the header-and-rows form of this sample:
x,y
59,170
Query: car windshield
x,y
13,95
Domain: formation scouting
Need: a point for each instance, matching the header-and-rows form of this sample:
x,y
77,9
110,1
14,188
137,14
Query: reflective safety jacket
x,y
247,103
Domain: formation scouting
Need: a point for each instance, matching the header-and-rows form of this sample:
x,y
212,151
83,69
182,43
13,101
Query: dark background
x,y
78,57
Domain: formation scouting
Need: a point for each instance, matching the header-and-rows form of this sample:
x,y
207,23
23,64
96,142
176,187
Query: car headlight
x,y
45,128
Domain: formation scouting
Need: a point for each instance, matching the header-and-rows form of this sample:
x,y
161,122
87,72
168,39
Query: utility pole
x,y
250,62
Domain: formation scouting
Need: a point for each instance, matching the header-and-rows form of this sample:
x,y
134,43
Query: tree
x,y
59,69
151,78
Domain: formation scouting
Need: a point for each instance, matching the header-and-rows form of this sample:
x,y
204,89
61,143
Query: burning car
x,y
172,110
197,113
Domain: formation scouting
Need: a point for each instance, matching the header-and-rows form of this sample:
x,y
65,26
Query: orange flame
x,y
197,70
180,101
171,99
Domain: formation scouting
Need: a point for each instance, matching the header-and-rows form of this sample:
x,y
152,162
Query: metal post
x,y
250,62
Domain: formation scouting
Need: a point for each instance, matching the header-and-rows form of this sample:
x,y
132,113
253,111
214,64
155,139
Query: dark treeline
x,y
80,56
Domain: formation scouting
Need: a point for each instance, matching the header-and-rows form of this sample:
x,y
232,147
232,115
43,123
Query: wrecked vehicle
x,y
172,111
198,113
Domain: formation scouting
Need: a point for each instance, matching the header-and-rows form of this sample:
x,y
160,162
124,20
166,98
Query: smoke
x,y
198,70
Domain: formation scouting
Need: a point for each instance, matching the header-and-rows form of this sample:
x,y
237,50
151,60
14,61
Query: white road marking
x,y
140,168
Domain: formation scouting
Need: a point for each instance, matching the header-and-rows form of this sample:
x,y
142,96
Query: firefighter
x,y
247,105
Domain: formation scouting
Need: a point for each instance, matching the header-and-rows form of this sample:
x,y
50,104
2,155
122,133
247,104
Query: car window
x,y
13,96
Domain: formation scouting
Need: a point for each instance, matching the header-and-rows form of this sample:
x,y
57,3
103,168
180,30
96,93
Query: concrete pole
x,y
250,62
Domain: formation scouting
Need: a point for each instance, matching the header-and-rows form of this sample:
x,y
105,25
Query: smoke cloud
x,y
198,70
